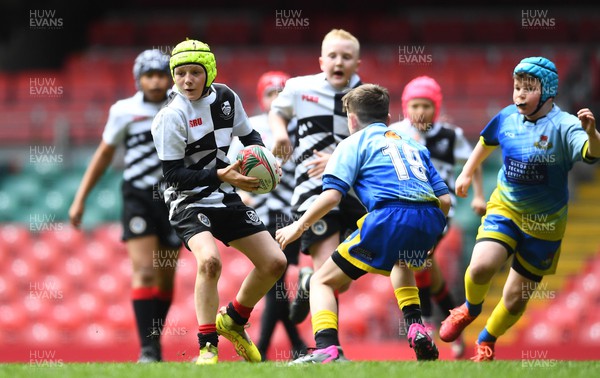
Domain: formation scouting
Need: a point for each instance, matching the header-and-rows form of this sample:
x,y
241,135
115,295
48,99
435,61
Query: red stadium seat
x,y
23,271
99,256
100,86
8,290
35,85
13,322
109,234
544,333
64,318
589,286
97,334
86,120
121,316
38,303
15,125
76,272
42,334
566,311
89,306
352,325
589,333
68,238
5,83
110,287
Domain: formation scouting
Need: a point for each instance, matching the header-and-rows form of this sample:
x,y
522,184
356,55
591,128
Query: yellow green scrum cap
x,y
192,51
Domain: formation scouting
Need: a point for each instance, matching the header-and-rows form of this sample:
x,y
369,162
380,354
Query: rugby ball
x,y
257,161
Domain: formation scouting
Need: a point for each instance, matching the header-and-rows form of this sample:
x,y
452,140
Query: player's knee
x,y
210,267
480,273
276,266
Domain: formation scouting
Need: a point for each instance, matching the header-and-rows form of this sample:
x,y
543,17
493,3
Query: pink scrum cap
x,y
423,87
271,80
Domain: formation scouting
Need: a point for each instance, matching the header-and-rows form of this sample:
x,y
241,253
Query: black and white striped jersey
x,y
447,146
129,122
273,208
322,124
200,132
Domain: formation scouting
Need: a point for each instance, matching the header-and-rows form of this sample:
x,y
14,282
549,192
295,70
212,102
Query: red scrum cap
x,y
423,87
271,80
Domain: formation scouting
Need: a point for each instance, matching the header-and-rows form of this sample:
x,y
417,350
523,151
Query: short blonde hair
x,y
341,34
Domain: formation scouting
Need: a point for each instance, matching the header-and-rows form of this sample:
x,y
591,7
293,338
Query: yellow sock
x,y
324,319
501,320
407,296
475,293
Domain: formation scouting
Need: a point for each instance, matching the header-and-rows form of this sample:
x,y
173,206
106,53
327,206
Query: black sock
x,y
212,338
146,324
425,299
235,315
268,319
444,300
161,309
412,314
327,337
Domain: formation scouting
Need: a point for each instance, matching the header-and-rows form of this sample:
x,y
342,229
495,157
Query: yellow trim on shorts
x,y
532,269
346,244
482,234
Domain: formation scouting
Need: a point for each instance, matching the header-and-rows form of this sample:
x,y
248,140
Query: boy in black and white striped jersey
x,y
192,134
316,102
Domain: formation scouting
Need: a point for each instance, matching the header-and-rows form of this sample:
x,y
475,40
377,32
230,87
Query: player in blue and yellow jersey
x,y
527,212
407,203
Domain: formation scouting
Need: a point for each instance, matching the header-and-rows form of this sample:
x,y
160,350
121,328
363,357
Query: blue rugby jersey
x,y
537,156
383,165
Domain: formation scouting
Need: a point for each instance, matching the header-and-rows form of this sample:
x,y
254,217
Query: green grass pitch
x,y
358,369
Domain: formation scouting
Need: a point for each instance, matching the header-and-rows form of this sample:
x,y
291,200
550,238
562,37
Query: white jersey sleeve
x,y
241,124
115,130
170,135
284,102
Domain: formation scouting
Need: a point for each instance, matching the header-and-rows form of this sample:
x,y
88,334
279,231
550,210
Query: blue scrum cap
x,y
543,70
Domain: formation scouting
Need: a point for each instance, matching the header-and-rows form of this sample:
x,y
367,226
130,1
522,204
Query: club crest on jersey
x,y
227,110
319,228
204,219
543,143
442,145
252,217
137,225
392,135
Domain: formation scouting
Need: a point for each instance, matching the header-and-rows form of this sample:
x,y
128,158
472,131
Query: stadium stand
x,y
68,289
